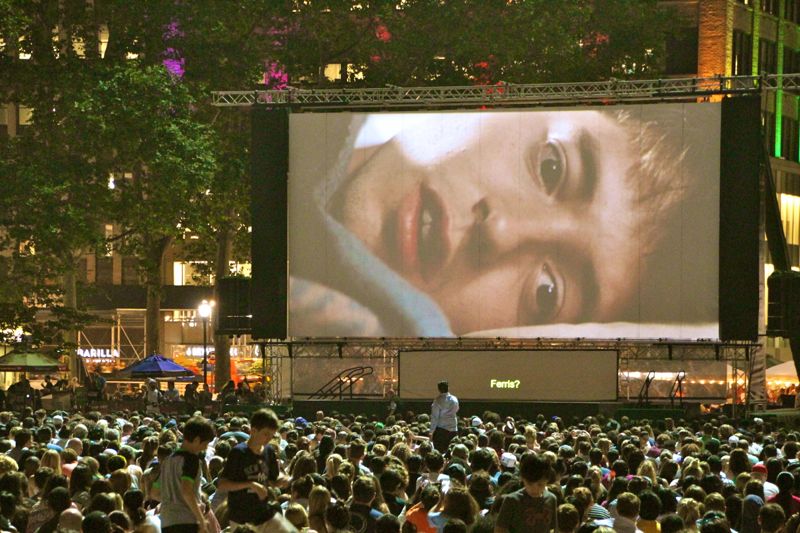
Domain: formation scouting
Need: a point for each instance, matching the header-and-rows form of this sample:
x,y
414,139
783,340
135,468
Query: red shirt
x,y
789,503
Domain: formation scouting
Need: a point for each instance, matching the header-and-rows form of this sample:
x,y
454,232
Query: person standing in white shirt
x,y
444,420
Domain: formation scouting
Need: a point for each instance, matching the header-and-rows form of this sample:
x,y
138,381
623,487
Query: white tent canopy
x,y
782,372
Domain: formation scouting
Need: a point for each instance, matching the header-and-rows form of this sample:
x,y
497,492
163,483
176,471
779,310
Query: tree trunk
x,y
70,336
153,324
222,370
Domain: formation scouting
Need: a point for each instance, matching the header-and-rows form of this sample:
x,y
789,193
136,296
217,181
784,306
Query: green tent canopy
x,y
28,362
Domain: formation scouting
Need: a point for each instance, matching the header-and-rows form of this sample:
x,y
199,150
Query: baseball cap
x,y
760,468
508,460
476,421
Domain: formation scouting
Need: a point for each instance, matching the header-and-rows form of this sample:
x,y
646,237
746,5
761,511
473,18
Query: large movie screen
x,y
595,222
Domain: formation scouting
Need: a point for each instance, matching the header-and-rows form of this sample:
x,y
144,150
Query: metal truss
x,y
509,94
662,349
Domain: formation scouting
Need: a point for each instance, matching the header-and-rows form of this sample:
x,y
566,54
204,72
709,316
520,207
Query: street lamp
x,y
204,310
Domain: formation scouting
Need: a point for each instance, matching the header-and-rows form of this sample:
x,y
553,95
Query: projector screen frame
x,y
616,351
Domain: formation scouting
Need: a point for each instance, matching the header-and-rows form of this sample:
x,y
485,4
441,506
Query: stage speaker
x,y
269,153
233,306
783,305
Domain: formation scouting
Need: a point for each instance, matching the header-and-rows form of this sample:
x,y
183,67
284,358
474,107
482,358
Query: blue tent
x,y
155,366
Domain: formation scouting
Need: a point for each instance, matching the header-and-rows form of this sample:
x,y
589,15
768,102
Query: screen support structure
x,y
516,95
510,94
776,237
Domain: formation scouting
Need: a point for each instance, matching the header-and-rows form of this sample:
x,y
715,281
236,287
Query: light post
x,y
204,310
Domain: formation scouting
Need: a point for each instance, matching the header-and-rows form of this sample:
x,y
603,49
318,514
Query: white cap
x,y
508,460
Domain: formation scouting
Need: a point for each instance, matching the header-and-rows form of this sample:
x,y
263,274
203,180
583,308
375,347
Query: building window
x,y
104,271
767,56
770,6
769,130
792,11
789,149
742,53
130,271
108,231
791,61
188,273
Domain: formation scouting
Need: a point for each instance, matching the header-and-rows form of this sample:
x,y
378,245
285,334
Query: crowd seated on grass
x,y
132,471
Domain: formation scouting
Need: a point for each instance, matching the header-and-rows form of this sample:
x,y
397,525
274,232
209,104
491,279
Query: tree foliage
x,y
121,87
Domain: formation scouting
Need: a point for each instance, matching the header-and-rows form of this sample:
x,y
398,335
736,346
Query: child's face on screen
x,y
504,219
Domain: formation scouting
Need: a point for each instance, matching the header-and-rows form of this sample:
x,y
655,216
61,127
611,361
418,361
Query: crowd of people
x,y
143,472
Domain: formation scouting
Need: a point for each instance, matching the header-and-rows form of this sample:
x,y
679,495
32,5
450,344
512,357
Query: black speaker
x,y
233,306
793,306
776,305
269,153
783,305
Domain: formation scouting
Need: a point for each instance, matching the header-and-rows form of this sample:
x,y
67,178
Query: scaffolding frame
x,y
281,355
613,91
509,94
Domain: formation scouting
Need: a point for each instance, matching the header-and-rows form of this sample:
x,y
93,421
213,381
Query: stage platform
x,y
519,410
787,416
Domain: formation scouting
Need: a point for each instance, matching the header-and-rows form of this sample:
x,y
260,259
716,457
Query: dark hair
x,y
482,459
568,517
340,487
103,502
533,468
442,386
133,500
714,522
628,505
649,505
58,500
121,520
42,476
337,515
96,522
8,504
430,497
434,461
198,427
672,523
772,517
363,489
387,524
263,418
458,503
80,480
391,479
454,525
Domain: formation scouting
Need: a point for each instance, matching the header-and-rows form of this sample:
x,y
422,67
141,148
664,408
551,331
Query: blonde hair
x,y
52,459
690,510
296,515
332,464
648,469
318,500
7,464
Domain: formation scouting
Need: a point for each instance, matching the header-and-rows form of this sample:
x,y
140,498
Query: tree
x,y
462,42
169,155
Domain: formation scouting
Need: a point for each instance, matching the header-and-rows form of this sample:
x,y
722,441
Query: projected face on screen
x,y
501,219
536,221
